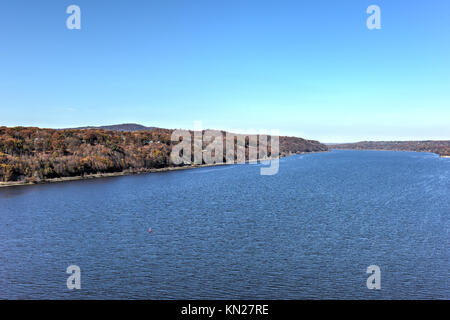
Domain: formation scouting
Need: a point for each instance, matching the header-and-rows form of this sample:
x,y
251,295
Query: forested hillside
x,y
33,154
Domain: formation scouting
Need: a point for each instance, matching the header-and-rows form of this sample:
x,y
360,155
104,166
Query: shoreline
x,y
348,149
106,175
167,169
129,173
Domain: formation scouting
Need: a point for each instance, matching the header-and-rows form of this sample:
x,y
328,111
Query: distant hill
x,y
132,127
440,147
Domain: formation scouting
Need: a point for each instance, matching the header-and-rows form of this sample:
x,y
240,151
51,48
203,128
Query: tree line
x,y
33,154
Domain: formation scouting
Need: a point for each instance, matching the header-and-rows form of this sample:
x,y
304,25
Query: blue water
x,y
309,232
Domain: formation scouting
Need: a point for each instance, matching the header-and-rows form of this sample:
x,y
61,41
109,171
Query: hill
x,y
132,127
33,154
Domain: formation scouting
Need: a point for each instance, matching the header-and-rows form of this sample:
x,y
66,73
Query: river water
x,y
308,232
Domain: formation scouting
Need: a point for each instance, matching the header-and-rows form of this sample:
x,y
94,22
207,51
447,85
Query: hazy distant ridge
x,y
132,127
440,147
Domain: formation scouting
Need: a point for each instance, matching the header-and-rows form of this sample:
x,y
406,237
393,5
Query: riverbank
x,y
104,175
128,173
28,153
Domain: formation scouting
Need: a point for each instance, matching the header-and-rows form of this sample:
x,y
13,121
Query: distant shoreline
x,y
439,147
350,149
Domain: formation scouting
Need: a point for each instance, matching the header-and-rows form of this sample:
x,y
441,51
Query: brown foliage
x,y
33,154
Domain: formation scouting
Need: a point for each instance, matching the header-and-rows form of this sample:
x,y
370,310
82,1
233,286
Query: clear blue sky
x,y
308,68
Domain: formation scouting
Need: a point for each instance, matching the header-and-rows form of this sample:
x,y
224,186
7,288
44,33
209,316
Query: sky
x,y
306,68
